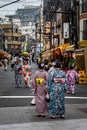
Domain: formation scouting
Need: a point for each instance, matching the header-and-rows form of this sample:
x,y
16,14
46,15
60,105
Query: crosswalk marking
x,y
67,97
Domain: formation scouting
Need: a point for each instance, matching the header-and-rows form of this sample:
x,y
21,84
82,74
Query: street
x,y
15,104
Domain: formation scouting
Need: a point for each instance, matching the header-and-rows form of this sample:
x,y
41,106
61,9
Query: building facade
x,y
56,13
12,38
83,20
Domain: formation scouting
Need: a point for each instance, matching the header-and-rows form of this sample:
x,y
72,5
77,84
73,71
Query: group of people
x,y
52,84
49,84
21,67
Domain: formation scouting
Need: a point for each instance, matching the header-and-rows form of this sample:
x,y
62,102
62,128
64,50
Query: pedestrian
x,y
26,70
12,63
51,67
56,87
72,76
39,84
17,71
5,63
46,62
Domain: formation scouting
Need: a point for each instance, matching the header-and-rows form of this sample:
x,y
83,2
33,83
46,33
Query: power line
x,y
27,1
9,3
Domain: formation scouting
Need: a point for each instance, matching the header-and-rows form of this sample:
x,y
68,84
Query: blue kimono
x,y
57,85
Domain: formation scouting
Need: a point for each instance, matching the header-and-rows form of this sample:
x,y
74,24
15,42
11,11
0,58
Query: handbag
x,y
47,98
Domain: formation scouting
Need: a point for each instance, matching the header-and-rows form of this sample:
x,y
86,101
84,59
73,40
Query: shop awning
x,y
70,48
62,47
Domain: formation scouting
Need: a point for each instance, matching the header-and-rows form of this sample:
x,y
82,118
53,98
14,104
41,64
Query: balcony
x,y
10,34
14,42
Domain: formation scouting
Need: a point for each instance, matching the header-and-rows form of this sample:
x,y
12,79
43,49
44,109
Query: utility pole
x,y
41,6
74,23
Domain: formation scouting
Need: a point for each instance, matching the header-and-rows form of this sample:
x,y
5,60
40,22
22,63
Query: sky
x,y
10,9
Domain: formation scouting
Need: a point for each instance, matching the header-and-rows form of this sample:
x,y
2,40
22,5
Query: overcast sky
x,y
10,9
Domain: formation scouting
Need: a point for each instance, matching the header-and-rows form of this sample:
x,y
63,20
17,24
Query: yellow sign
x,y
83,43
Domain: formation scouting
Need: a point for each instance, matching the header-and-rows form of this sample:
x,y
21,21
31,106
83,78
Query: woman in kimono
x,y
17,72
72,76
39,84
26,70
57,85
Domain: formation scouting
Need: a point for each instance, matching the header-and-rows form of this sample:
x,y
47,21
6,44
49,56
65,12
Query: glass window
x,y
84,6
85,30
83,1
9,38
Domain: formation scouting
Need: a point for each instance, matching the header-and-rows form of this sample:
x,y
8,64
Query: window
x,y
9,39
84,6
85,30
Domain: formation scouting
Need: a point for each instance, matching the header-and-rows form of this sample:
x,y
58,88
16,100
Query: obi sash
x,y
39,81
59,80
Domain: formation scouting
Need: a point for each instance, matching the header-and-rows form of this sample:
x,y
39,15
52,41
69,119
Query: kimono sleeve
x,y
33,83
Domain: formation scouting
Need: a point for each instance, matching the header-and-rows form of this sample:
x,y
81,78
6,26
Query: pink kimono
x,y
39,84
72,75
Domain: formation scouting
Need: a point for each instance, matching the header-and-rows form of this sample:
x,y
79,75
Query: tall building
x,y
55,14
28,16
83,21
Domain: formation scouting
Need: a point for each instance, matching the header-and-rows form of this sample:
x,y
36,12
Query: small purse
x,y
47,98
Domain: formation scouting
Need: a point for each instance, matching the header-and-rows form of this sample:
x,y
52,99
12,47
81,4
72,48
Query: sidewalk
x,y
24,118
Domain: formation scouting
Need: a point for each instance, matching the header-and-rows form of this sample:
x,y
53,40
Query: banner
x,y
66,30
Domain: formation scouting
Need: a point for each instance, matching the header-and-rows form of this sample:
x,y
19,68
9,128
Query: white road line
x,y
17,96
67,97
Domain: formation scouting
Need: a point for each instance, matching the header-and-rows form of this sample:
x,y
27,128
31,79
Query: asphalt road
x,y
15,104
10,96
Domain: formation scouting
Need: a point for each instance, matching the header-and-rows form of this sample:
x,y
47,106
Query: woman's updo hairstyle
x,y
41,65
57,65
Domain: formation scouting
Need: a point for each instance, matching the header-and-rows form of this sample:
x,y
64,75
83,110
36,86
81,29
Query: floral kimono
x,y
26,70
72,76
39,84
56,87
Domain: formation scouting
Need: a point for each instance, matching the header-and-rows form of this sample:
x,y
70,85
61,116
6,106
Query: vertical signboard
x,y
66,30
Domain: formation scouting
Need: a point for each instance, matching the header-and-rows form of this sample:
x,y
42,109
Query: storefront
x,y
81,58
81,62
56,53
47,55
